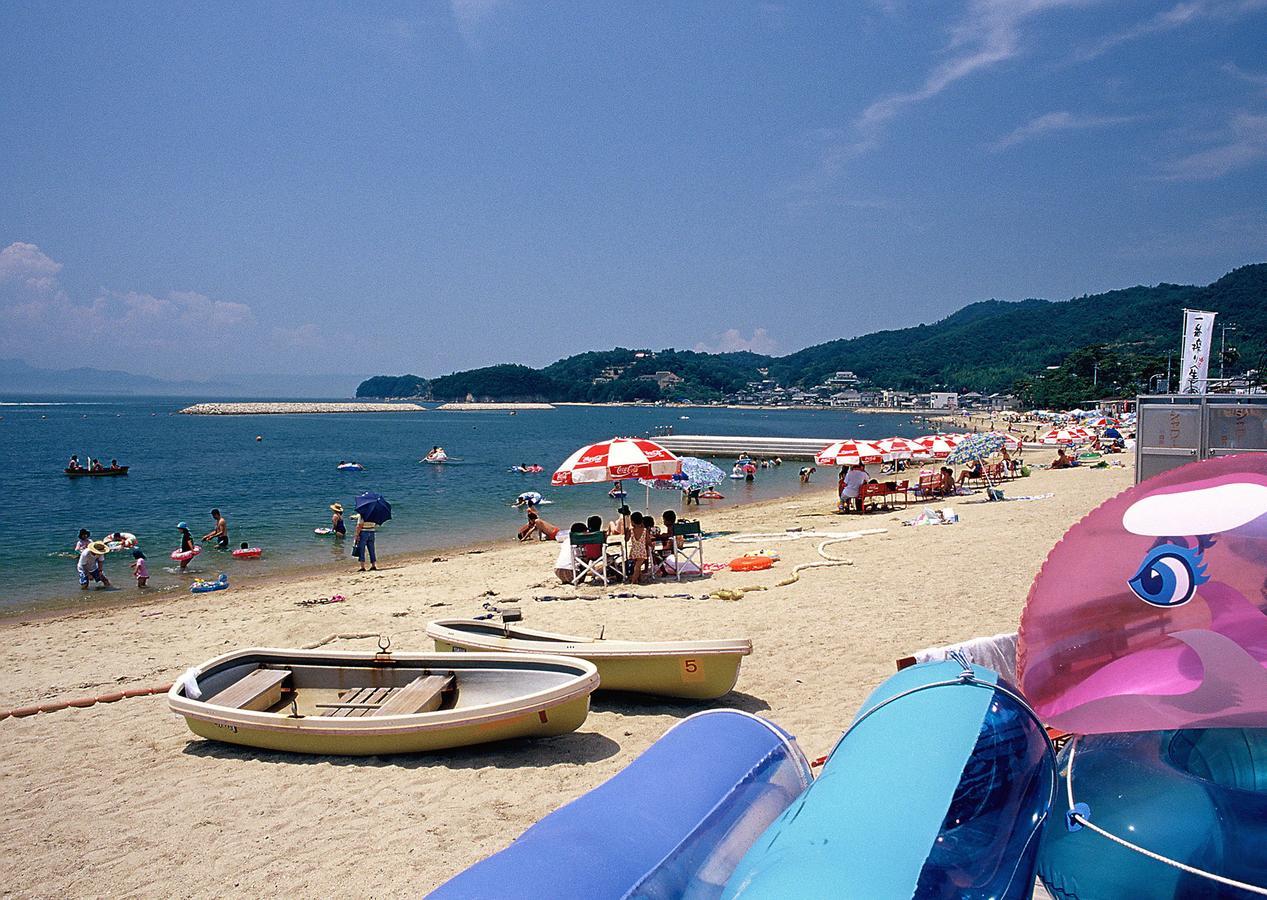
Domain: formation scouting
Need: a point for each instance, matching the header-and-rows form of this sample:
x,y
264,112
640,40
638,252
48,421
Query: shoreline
x,y
130,769
279,408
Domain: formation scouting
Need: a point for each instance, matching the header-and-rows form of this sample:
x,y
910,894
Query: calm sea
x,y
276,490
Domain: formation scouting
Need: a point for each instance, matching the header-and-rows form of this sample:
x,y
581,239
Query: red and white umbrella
x,y
938,446
616,460
851,453
1071,435
900,448
1102,422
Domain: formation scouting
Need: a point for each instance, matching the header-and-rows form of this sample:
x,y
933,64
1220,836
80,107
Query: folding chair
x,y
690,547
589,556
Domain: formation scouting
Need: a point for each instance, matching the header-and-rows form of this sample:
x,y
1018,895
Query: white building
x,y
943,400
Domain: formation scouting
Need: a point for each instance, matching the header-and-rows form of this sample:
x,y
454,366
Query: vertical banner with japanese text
x,y
1198,331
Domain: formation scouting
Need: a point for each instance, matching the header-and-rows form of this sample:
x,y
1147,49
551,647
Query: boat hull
x,y
495,697
687,670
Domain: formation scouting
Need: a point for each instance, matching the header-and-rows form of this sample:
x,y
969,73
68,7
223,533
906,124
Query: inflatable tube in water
x,y
1198,796
185,555
129,541
248,552
350,467
940,788
617,495
323,531
712,495
206,587
737,476
671,824
751,563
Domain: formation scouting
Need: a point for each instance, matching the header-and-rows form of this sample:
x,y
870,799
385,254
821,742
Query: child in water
x,y
140,568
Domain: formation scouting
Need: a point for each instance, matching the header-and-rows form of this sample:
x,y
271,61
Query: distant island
x,y
1032,353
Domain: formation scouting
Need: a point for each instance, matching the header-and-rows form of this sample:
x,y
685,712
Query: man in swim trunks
x,y
538,525
220,533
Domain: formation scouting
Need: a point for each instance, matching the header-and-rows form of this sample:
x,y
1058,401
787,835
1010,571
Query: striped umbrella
x,y
696,473
1066,436
615,460
975,447
1011,443
900,448
938,446
851,453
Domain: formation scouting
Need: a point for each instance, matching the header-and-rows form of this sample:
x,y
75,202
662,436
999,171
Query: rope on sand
x,y
340,637
827,560
22,712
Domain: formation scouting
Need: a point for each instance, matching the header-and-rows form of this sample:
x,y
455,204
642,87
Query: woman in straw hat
x,y
91,565
336,520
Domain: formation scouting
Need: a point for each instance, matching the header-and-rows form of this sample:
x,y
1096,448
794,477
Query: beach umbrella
x,y
1068,435
372,507
900,448
1100,422
617,459
851,453
938,446
1011,442
696,473
976,447
1112,432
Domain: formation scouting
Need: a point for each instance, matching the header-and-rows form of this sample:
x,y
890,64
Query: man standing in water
x,y
221,532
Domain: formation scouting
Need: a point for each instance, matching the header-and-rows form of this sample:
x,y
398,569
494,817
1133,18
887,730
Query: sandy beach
x,y
121,799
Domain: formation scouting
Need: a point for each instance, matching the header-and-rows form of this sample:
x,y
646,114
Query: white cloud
x,y
988,34
732,341
1258,79
1054,122
48,326
1177,16
1242,143
29,263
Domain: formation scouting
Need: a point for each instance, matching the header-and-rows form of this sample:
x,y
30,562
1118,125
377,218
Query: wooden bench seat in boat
x,y
260,689
423,694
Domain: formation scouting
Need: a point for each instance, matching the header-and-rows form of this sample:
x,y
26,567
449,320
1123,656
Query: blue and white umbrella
x,y
696,473
975,447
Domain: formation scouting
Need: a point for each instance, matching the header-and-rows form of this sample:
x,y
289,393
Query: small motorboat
x,y
362,703
97,473
695,670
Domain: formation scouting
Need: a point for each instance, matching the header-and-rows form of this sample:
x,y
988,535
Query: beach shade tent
x,y
900,448
851,453
672,823
373,507
1066,436
937,446
1112,432
696,474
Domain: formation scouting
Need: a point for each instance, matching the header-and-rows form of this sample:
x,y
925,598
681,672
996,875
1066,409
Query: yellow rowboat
x,y
695,670
359,703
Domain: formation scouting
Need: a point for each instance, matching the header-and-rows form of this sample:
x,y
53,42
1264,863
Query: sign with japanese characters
x,y
1198,331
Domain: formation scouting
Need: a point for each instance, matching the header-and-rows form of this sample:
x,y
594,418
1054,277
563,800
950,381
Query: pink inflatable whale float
x,y
1149,613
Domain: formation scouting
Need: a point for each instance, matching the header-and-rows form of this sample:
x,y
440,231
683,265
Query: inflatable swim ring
x,y
206,587
323,531
712,495
248,552
617,495
129,541
350,467
751,563
1194,795
185,555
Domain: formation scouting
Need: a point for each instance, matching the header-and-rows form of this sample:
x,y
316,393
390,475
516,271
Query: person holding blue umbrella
x,y
372,510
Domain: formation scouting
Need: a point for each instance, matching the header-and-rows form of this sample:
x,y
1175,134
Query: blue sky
x,y
311,188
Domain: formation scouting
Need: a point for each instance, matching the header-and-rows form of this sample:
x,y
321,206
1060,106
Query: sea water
x,y
276,490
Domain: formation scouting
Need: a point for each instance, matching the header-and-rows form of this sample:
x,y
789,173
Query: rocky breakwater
x,y
276,409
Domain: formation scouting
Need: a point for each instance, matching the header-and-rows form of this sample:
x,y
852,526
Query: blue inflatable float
x,y
673,823
1195,796
206,587
940,788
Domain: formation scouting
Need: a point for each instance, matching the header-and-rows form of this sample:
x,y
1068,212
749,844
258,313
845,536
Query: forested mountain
x,y
1119,338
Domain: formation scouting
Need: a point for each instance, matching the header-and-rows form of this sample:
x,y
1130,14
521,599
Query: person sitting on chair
x,y
974,470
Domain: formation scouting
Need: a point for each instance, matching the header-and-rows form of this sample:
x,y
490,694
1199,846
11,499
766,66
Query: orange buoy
x,y
52,707
114,697
23,711
82,702
137,692
751,563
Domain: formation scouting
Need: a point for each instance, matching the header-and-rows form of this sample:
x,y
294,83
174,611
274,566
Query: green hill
x,y
1104,344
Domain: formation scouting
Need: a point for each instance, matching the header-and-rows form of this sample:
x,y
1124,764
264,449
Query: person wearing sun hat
x,y
91,566
336,520
186,542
